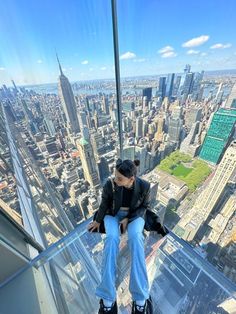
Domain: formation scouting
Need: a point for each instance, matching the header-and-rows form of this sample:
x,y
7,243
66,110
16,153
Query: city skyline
x,y
63,146
63,130
31,33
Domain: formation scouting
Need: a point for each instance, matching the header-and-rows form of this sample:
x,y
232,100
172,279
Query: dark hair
x,y
127,168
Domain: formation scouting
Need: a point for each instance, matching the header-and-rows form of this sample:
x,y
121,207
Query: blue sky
x,y
155,37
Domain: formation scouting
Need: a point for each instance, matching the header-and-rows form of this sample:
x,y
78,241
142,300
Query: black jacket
x,y
139,202
139,207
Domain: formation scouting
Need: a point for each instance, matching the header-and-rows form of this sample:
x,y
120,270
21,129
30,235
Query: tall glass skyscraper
x,y
170,85
218,136
162,87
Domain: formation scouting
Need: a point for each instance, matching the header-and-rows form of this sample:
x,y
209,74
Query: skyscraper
x,y
170,85
174,129
139,127
196,84
190,144
208,199
162,87
87,105
148,93
103,169
83,122
27,112
187,68
188,85
88,162
15,88
231,101
105,105
49,125
191,116
98,144
218,136
160,127
176,85
68,101
145,103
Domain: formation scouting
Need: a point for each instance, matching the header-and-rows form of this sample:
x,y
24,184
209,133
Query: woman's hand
x,y
124,223
93,226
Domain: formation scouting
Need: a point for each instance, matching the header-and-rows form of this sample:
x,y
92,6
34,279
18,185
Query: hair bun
x,y
118,162
137,162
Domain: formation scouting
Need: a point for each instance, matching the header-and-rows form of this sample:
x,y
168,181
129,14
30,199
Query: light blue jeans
x,y
138,285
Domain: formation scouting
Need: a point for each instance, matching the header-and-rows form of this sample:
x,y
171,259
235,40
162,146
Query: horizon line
x,y
122,77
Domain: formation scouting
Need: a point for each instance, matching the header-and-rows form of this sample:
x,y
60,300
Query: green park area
x,y
190,170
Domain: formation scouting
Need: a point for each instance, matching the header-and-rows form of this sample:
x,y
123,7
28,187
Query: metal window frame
x,y
117,72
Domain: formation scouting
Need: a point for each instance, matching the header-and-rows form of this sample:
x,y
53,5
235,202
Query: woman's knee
x,y
113,237
113,233
111,227
135,229
135,236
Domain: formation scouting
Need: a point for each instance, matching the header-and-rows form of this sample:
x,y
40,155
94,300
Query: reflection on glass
x,y
180,279
178,96
58,113
59,136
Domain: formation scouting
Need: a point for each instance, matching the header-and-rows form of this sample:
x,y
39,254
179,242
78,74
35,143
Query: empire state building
x,y
68,101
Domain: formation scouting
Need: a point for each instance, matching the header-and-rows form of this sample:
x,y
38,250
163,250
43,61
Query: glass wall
x,y
59,117
178,92
58,112
180,281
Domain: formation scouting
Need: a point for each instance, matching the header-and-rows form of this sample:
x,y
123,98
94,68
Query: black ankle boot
x,y
105,310
138,309
146,309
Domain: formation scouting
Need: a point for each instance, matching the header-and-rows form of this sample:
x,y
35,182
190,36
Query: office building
x,y
68,102
147,92
162,87
88,162
170,85
218,135
209,197
231,100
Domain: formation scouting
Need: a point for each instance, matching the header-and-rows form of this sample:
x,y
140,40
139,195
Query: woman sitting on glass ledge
x,y
124,203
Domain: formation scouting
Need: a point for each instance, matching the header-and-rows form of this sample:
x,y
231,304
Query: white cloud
x,y
70,69
128,55
140,60
103,68
192,52
169,54
197,41
90,69
2,69
203,54
166,49
64,69
85,62
221,46
39,61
